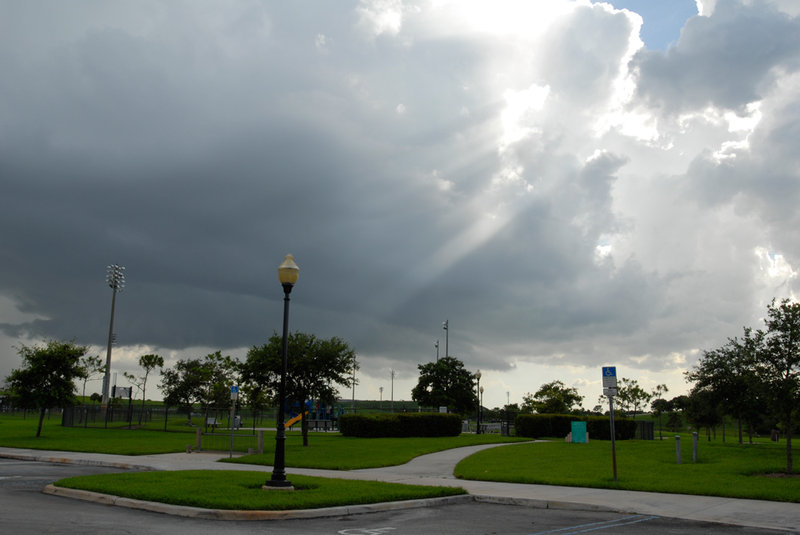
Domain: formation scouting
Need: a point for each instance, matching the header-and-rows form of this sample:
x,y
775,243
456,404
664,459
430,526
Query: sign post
x,y
610,390
234,399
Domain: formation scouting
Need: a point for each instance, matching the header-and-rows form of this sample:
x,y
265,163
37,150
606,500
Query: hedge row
x,y
416,424
559,425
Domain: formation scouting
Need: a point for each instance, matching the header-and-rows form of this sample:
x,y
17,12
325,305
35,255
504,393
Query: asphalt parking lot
x,y
26,510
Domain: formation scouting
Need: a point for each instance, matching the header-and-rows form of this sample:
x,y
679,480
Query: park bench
x,y
211,422
320,425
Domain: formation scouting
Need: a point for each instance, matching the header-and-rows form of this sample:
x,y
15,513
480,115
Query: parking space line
x,y
596,526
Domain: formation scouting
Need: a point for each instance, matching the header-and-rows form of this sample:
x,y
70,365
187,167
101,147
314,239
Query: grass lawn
x,y
242,490
335,452
16,432
325,450
723,469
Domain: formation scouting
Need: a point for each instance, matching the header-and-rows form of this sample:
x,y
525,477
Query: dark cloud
x,y
439,168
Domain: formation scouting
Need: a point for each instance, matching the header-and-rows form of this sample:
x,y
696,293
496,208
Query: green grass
x,y
242,490
16,432
335,452
325,450
727,469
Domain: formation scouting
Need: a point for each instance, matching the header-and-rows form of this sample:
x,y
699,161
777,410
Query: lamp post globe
x,y
288,273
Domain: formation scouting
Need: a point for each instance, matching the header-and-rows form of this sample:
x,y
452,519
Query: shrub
x,y
559,425
420,424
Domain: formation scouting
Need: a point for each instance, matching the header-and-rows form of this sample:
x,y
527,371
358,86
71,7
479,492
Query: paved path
x,y
437,469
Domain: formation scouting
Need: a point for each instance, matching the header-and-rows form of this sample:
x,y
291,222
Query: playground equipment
x,y
294,420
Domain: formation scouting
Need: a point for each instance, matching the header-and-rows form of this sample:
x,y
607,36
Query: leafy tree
x,y
314,366
780,365
47,377
630,396
92,365
149,363
730,372
446,383
219,374
552,398
674,421
703,409
659,405
182,384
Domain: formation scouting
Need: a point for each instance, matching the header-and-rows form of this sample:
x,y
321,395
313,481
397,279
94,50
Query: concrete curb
x,y
83,462
546,504
226,514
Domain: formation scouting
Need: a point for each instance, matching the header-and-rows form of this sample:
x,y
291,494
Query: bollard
x,y
694,447
198,439
678,447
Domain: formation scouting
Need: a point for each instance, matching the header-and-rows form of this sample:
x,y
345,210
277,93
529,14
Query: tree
x,y
47,378
446,383
630,396
149,363
703,409
219,374
659,405
730,372
92,365
182,385
552,398
206,381
780,365
314,366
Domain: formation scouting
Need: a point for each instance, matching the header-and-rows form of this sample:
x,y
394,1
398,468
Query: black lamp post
x,y
480,405
288,272
478,377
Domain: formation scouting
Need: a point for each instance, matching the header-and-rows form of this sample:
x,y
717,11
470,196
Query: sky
x,y
570,184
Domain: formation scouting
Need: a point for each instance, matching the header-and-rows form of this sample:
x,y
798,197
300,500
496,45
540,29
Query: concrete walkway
x,y
437,469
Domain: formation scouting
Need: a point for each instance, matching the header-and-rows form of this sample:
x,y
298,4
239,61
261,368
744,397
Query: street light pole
x,y
478,377
480,405
288,272
115,277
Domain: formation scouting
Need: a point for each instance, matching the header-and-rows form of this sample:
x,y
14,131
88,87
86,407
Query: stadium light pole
x,y
288,273
115,277
446,327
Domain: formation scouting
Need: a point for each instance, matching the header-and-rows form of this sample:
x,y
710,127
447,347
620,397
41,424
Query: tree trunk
x,y
739,424
144,387
789,466
304,424
41,419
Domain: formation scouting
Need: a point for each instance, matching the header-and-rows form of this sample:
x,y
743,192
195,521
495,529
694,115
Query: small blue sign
x,y
234,389
609,377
